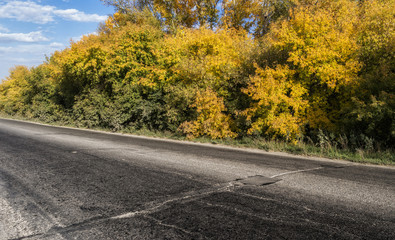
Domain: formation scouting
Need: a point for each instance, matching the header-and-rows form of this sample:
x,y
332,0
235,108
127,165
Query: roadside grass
x,y
386,157
328,150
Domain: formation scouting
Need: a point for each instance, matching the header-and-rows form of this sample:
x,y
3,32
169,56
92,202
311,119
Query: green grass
x,y
386,157
330,151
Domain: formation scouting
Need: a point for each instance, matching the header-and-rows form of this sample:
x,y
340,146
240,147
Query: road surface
x,y
63,183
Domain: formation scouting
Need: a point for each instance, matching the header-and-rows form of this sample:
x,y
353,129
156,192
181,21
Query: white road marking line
x,y
298,171
187,196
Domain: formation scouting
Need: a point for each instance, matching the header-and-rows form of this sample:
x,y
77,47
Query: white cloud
x,y
75,15
38,49
3,29
23,37
25,61
5,49
28,11
25,54
57,45
76,39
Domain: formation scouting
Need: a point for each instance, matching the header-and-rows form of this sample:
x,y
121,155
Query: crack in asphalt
x,y
159,222
150,208
156,206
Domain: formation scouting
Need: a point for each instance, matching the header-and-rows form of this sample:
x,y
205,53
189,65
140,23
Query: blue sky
x,y
33,29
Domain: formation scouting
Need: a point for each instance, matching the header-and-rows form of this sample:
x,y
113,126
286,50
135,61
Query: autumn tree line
x,y
291,70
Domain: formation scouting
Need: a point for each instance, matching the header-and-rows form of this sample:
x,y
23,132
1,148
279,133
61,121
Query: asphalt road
x,y
62,183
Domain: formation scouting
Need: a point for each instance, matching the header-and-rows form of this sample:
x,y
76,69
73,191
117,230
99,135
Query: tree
x,y
78,67
253,16
173,13
372,111
317,47
279,105
211,120
12,90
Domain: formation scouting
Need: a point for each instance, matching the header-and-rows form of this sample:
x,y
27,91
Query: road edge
x,y
209,145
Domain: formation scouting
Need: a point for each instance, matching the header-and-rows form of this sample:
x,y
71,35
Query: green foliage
x,y
90,109
372,111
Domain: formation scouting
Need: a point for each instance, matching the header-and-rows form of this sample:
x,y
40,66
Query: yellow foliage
x,y
120,19
83,59
279,107
211,121
186,13
136,55
12,90
212,61
307,68
207,58
377,40
239,14
176,12
321,45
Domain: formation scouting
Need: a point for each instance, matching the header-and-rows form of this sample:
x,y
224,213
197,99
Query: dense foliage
x,y
294,70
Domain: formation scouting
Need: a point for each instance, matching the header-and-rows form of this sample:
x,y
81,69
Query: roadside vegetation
x,y
302,76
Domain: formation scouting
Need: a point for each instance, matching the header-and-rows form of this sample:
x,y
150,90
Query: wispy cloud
x,y
23,37
25,61
27,54
38,49
3,29
76,39
28,11
75,15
